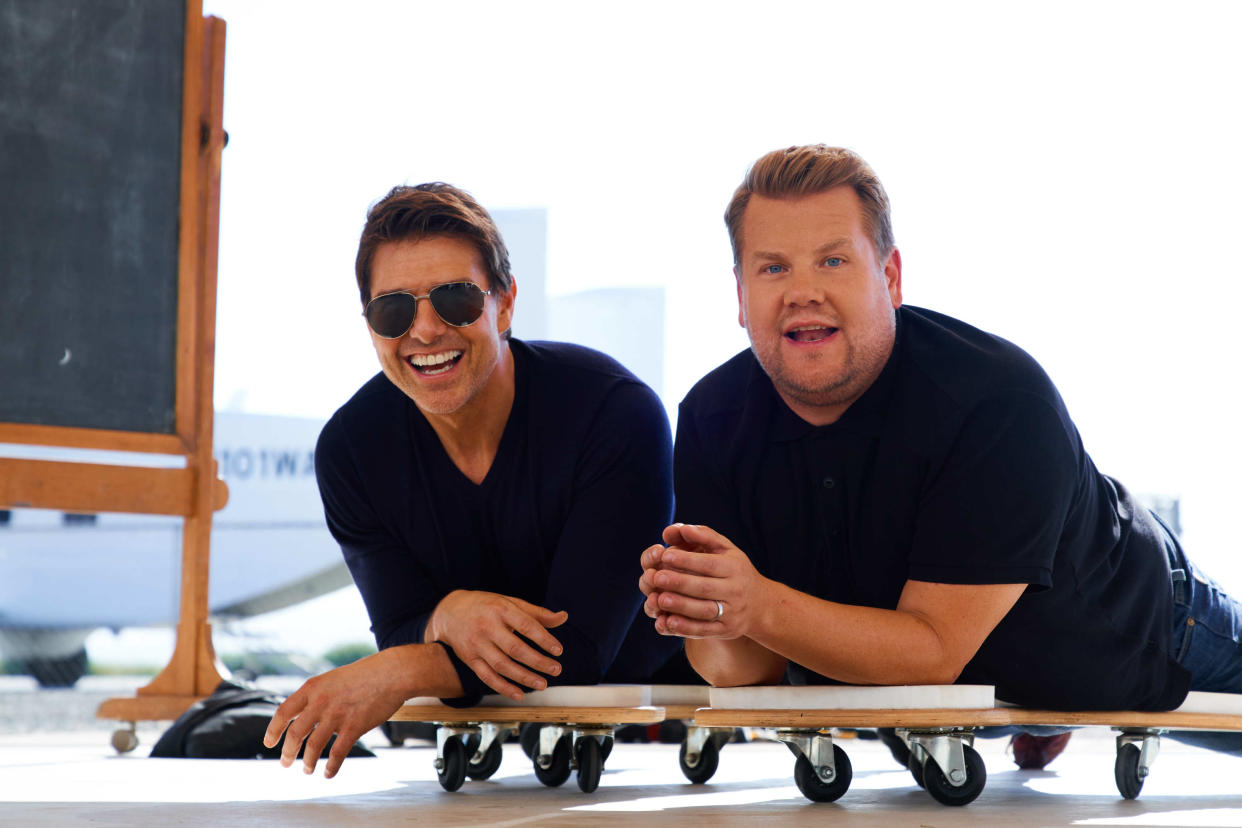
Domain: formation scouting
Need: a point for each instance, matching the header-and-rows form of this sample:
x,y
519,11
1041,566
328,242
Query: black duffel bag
x,y
229,724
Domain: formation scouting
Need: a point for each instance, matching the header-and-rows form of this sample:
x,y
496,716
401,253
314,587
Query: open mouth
x,y
810,333
430,365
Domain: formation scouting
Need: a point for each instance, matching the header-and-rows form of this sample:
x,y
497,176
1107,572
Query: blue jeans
x,y
1207,641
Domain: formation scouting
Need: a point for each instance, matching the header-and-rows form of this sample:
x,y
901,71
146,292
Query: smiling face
x,y
446,371
816,300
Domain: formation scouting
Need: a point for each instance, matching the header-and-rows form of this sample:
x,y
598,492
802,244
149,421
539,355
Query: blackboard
x,y
90,164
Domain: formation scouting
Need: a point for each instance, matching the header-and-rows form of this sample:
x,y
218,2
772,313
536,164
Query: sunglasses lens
x,y
459,303
392,315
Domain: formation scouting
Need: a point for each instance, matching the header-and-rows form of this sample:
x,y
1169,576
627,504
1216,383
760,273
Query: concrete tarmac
x,y
75,778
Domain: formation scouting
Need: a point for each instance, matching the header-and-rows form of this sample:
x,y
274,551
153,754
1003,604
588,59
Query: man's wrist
x,y
420,670
768,599
431,632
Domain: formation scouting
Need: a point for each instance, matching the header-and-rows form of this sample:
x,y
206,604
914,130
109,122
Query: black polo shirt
x,y
958,465
580,485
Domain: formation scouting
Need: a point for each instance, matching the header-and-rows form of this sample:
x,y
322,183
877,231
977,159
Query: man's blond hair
x,y
809,170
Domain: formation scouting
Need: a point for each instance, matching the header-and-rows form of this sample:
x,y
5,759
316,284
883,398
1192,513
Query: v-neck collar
x,y
429,440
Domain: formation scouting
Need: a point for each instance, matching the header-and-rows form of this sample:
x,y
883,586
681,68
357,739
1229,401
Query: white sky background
x,y
1066,175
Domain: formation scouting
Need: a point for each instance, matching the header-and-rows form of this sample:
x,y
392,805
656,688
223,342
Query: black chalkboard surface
x,y
90,162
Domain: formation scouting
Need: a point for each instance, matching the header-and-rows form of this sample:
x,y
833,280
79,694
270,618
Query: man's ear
x,y
741,315
892,277
504,306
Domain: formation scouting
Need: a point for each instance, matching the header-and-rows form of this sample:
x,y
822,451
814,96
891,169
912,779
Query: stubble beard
x,y
862,365
835,390
430,402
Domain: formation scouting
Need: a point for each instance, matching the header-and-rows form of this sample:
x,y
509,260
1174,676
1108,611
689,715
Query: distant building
x,y
525,232
625,323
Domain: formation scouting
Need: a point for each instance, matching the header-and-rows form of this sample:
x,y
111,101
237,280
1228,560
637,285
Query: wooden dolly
x,y
699,756
1138,733
575,731
937,724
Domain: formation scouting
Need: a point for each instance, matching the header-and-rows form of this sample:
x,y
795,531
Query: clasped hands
x,y
699,585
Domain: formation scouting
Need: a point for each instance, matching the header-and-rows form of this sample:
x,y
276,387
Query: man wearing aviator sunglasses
x,y
487,493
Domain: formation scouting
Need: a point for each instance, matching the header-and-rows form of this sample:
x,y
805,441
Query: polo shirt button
x,y
829,482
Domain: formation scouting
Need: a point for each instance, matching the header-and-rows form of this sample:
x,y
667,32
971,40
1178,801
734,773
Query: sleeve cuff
x,y
473,688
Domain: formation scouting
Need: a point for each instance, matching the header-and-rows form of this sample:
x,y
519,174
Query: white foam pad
x,y
698,695
594,695
1229,704
833,697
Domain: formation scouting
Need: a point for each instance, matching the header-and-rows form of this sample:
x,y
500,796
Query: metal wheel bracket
x,y
446,732
945,749
549,735
1148,740
815,746
488,732
696,738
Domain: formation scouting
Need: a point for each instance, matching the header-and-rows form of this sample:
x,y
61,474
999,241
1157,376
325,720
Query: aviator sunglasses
x,y
457,303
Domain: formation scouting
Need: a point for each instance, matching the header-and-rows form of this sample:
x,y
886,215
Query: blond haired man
x,y
882,494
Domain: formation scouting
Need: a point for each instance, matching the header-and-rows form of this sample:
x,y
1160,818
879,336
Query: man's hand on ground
x,y
483,628
684,580
347,701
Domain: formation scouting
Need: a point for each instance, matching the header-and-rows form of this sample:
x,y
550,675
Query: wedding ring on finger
x,y
719,611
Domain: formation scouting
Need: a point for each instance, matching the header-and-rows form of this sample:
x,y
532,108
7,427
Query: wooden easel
x,y
195,491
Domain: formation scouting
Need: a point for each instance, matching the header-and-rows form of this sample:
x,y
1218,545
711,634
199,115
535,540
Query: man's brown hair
x,y
808,170
425,211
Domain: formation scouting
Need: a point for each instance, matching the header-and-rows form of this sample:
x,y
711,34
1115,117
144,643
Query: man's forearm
x,y
420,670
853,644
734,662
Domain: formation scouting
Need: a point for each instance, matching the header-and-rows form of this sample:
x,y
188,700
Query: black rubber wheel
x,y
605,748
489,764
895,745
453,771
916,770
1126,771
590,764
705,767
555,774
528,738
938,786
816,789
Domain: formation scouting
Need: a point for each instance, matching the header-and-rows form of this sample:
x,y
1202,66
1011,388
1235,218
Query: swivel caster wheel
x,y
557,768
1126,771
487,764
945,792
590,763
124,739
451,767
817,789
703,766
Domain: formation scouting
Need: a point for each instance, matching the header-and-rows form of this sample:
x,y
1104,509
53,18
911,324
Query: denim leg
x,y
1206,634
1207,641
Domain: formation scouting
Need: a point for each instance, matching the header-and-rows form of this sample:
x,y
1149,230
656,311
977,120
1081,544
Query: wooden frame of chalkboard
x,y
123,243
184,427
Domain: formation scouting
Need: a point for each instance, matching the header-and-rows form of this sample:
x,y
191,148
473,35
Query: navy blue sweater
x,y
580,485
